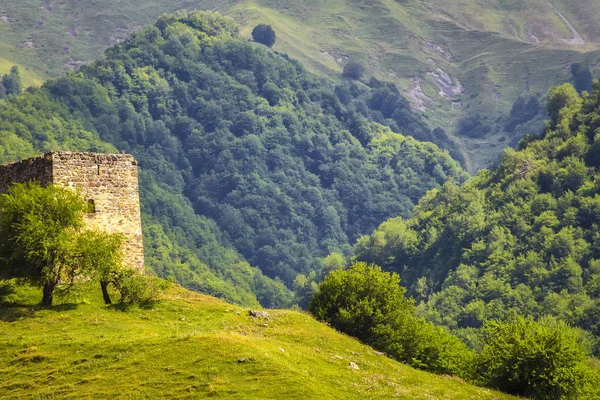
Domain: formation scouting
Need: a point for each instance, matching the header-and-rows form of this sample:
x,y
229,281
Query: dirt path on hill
x,y
577,39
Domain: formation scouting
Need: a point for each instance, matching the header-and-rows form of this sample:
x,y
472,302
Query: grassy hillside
x,y
454,59
189,345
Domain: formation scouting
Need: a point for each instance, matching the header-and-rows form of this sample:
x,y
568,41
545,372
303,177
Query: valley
x,y
420,175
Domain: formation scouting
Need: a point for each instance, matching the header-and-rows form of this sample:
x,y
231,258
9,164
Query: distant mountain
x,y
463,63
245,156
522,236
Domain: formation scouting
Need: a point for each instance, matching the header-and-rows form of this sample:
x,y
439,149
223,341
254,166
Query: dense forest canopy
x,y
522,236
246,158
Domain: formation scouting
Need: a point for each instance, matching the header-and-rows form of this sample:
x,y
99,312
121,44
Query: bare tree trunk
x,y
48,294
105,295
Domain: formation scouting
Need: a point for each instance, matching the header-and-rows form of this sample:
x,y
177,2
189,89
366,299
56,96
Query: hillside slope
x,y
456,60
189,345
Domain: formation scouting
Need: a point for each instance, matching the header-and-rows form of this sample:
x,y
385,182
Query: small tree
x,y
41,238
264,34
353,70
563,102
369,304
100,257
12,82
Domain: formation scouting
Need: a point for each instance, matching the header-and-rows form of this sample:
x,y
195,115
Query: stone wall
x,y
38,168
108,181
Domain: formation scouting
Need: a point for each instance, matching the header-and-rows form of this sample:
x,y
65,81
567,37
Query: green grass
x,y
190,345
486,44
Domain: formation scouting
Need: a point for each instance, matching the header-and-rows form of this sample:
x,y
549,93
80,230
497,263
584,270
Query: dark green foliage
x,y
522,237
264,34
11,83
582,78
369,304
382,102
538,360
246,159
252,141
473,127
353,70
522,112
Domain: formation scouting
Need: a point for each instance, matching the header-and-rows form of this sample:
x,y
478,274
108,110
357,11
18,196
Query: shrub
x,y
353,70
369,304
541,360
138,289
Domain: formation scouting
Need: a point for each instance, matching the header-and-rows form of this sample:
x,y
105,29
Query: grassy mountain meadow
x,y
463,64
191,345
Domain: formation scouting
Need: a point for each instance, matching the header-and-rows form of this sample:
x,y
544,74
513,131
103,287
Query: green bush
x,y
353,70
541,360
264,34
369,304
138,289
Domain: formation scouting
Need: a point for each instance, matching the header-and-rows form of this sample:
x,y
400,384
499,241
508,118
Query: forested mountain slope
x,y
522,236
245,156
464,63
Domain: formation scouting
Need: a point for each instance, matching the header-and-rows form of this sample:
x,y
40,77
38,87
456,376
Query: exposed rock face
x,y
108,181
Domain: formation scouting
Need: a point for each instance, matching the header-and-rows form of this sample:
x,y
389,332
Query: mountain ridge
x,y
412,43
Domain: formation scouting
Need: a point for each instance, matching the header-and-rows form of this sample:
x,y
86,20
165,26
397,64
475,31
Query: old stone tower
x,y
109,182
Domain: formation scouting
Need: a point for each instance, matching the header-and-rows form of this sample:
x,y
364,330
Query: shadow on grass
x,y
11,311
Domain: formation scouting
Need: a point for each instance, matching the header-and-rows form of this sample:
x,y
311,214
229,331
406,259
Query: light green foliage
x,y
101,253
43,241
539,360
333,262
305,288
522,236
369,304
100,257
563,103
138,289
39,228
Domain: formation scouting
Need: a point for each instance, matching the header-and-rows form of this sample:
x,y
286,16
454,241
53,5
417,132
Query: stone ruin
x,y
109,182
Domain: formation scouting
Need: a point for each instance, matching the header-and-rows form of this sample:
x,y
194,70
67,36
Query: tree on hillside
x,y
264,34
41,238
369,304
582,78
353,70
563,101
12,82
101,258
